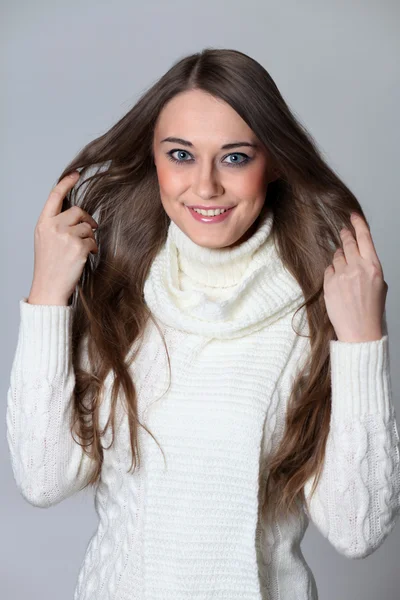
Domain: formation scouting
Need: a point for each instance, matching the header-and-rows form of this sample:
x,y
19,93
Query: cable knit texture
x,y
190,527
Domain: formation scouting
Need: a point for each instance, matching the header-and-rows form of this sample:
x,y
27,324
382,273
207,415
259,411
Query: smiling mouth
x,y
206,218
199,207
204,211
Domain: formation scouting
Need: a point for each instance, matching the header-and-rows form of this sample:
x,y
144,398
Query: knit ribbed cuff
x,y
45,338
361,382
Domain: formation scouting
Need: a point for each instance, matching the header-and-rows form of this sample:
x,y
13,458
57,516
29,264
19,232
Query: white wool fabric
x,y
187,524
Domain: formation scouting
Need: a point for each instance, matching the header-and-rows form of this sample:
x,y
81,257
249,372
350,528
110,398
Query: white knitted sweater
x,y
190,527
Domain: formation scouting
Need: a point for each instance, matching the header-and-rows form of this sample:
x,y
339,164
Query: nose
x,y
206,183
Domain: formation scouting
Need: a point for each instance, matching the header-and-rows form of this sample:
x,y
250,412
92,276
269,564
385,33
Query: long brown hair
x,y
310,205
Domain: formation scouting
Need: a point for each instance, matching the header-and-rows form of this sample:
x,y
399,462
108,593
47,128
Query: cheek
x,y
162,175
253,182
168,180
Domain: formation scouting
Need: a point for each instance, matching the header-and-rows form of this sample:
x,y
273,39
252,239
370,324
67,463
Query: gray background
x,y
71,69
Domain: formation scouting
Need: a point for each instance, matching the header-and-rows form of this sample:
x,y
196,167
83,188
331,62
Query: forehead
x,y
197,116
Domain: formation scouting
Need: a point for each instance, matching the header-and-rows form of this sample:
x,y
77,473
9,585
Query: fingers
x,y
364,238
84,230
53,205
350,246
54,202
91,245
76,215
339,260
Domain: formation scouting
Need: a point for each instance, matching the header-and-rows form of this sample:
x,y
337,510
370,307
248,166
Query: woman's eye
x,y
180,152
235,163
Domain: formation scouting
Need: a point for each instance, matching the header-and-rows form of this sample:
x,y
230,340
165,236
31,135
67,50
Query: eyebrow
x,y
224,147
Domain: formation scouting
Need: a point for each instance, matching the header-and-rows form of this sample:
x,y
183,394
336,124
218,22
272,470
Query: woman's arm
x,y
47,463
357,500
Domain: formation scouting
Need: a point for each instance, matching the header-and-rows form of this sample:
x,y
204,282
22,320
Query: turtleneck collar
x,y
220,292
216,267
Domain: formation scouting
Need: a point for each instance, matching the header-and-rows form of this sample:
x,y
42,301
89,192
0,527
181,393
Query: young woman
x,y
166,370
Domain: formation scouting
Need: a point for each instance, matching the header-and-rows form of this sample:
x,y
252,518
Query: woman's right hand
x,y
62,243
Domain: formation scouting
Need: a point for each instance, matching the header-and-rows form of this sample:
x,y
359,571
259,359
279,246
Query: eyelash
x,y
179,162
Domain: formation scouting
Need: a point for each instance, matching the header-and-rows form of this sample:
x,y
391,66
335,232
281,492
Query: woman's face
x,y
206,174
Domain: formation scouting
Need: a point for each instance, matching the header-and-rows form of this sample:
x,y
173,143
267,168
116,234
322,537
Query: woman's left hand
x,y
354,288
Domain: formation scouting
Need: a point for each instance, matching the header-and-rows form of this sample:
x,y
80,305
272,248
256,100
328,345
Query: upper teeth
x,y
210,213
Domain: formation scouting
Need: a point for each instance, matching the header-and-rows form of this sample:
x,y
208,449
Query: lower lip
x,y
204,219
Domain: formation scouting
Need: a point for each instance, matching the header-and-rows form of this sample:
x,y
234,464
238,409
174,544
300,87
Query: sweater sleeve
x,y
48,465
357,500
